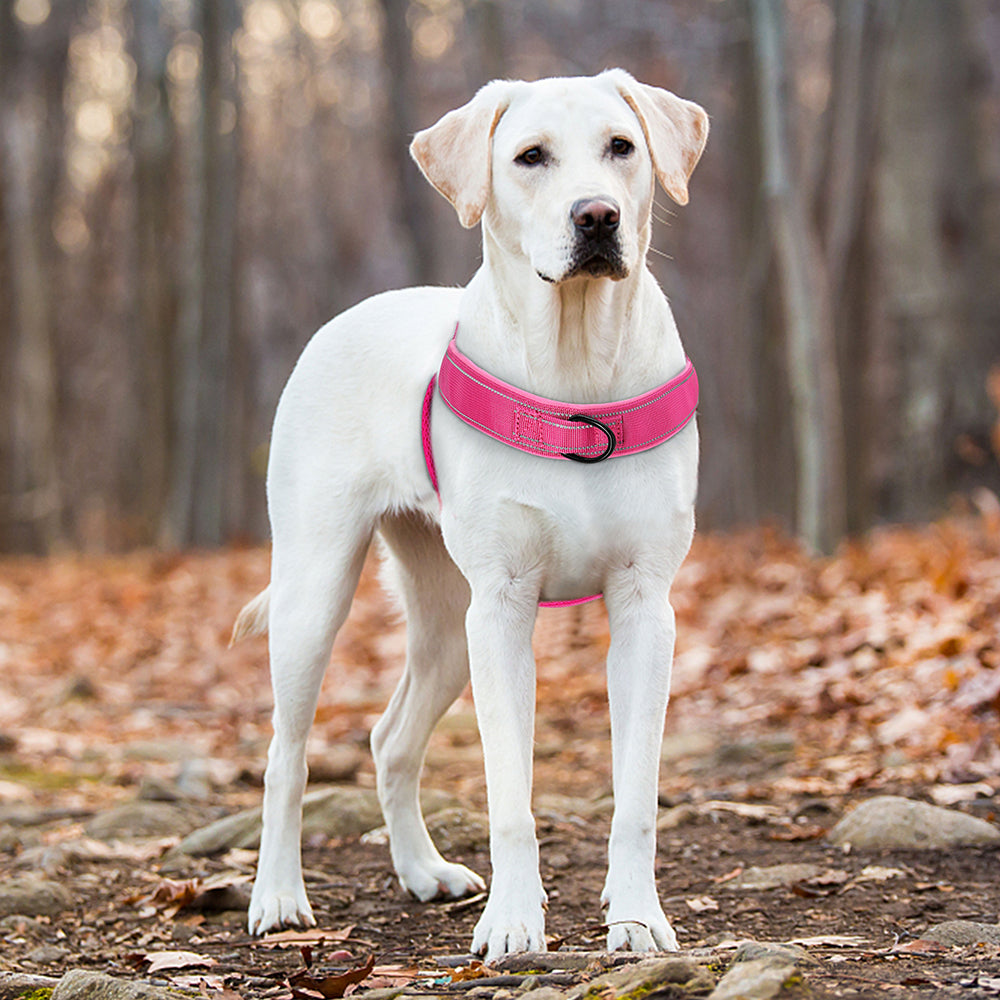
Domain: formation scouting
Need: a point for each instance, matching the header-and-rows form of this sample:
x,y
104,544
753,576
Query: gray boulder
x,y
142,818
80,985
963,932
34,897
655,976
890,821
758,979
337,811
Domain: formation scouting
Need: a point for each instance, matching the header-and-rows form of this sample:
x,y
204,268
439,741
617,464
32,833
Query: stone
x,y
757,979
340,762
963,932
337,811
152,789
650,976
32,897
890,821
455,830
16,985
677,816
48,954
543,993
748,951
568,808
81,985
774,876
141,819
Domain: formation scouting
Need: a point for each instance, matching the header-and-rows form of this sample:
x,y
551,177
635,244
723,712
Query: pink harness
x,y
589,432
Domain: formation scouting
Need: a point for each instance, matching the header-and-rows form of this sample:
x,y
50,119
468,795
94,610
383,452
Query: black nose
x,y
594,217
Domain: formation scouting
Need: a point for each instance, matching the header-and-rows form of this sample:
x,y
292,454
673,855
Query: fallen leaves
x,y
160,961
306,986
295,938
170,896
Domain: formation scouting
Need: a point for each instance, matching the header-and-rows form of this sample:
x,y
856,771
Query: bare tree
x,y
205,317
812,364
33,66
152,144
412,196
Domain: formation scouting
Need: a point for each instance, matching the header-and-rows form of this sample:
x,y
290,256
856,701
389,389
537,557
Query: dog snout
x,y
595,217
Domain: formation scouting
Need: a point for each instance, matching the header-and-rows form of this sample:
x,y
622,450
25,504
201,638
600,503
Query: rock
x,y
654,975
568,808
331,812
17,923
549,961
80,985
543,993
152,789
774,876
16,985
749,951
456,829
340,762
680,815
962,932
31,897
891,821
193,781
758,979
48,954
140,819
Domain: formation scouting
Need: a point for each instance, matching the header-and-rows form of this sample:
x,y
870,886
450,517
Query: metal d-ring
x,y
591,459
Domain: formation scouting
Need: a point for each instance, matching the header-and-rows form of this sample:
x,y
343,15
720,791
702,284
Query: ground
x,y
802,686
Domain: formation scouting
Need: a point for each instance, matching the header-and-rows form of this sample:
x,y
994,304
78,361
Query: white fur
x,y
346,461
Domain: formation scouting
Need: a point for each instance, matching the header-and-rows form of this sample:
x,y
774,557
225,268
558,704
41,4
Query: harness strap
x,y
553,429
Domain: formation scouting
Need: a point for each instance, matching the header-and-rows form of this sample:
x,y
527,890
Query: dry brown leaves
x,y
884,659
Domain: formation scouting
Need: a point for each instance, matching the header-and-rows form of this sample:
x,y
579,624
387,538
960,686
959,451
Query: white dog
x,y
562,175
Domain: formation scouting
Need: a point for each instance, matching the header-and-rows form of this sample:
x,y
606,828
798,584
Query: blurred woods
x,y
189,188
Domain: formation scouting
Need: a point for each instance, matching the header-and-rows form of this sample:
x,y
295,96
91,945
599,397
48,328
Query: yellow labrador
x,y
561,173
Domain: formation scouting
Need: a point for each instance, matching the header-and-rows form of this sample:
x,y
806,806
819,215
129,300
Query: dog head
x,y
561,171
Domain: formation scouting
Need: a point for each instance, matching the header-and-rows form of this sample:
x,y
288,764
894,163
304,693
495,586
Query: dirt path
x,y
861,915
801,688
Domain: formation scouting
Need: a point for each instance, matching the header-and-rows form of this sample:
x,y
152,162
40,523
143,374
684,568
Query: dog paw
x,y
440,880
506,931
274,911
633,935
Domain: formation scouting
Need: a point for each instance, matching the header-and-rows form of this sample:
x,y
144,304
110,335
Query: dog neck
x,y
583,340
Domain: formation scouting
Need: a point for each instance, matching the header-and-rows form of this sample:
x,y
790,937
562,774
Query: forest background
x,y
189,188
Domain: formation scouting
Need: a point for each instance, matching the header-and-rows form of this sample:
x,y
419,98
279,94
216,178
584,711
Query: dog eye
x,y
621,147
531,157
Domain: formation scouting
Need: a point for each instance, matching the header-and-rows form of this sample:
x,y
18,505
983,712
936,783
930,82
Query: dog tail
x,y
252,620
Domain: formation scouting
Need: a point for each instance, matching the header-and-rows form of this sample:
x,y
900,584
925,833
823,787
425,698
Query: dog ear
x,y
676,131
454,154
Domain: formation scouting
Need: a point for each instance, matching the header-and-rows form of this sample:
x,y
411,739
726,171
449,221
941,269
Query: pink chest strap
x,y
552,429
587,432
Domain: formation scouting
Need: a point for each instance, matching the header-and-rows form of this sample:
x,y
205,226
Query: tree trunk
x,y
204,328
412,194
844,209
219,129
926,218
32,123
812,366
152,138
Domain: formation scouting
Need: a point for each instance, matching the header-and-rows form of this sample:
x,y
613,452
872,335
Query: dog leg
x,y
310,597
639,661
436,596
503,683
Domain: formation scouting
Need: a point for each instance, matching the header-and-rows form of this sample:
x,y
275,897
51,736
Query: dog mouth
x,y
596,266
597,255
604,260
600,266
